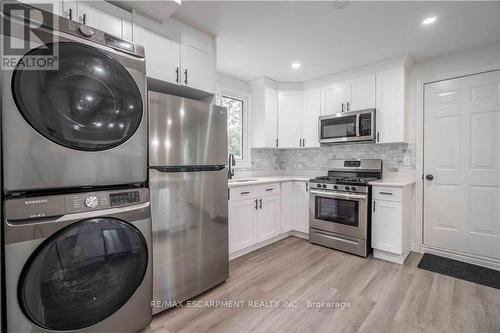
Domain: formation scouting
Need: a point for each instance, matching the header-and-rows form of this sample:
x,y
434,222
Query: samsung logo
x,y
35,202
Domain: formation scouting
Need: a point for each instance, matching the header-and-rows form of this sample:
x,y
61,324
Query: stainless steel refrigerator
x,y
188,183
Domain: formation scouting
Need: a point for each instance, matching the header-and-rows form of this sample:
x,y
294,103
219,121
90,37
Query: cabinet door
x,y
289,118
98,15
391,110
310,114
162,54
271,117
301,207
53,6
334,97
286,218
198,67
361,93
242,224
268,217
387,226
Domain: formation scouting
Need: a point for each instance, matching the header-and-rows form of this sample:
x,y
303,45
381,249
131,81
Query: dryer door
x,y
83,274
90,103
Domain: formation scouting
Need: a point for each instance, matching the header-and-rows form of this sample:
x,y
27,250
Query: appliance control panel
x,y
124,198
59,205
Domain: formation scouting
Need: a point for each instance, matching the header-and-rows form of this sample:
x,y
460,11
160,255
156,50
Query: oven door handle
x,y
339,195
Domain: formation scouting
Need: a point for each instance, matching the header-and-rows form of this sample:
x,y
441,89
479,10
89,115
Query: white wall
x,y
444,65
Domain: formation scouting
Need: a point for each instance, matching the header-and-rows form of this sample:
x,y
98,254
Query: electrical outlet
x,y
407,161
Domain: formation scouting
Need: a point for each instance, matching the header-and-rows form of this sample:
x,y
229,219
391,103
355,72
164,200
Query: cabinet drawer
x,y
242,193
388,193
268,189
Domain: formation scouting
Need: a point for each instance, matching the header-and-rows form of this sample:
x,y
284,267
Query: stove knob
x,y
335,187
324,185
353,188
319,185
91,201
347,188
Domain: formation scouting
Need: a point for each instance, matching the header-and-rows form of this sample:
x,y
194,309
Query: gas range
x,y
340,206
342,183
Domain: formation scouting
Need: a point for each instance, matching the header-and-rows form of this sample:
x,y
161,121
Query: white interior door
x,y
461,152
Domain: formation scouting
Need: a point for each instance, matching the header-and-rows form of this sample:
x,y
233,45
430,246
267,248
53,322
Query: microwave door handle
x,y
338,195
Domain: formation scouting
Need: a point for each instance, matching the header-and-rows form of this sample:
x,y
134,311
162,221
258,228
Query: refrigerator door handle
x,y
188,168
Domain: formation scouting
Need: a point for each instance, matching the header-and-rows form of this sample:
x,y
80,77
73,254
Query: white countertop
x,y
235,182
393,182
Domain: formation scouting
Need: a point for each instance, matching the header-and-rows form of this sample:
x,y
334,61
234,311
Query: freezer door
x,y
190,234
186,132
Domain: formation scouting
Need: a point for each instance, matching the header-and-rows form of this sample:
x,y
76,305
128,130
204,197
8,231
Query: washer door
x,y
83,274
91,103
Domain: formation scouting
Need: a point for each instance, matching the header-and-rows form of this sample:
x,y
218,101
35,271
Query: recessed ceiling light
x,y
429,20
296,65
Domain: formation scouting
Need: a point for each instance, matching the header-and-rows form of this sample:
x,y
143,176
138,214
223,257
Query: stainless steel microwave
x,y
347,126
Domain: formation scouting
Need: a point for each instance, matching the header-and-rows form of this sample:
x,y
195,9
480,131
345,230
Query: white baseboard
x,y
257,246
396,258
475,260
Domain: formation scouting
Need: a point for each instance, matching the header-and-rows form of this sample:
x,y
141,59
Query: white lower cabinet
x,y
242,224
391,221
301,206
286,223
260,213
268,219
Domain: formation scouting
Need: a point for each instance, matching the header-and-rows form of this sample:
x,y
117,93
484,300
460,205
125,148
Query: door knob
x,y
429,177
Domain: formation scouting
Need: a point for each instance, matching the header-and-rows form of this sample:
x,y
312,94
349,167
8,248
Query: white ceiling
x,y
260,38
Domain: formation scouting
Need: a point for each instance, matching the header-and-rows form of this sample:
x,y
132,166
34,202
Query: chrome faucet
x,y
231,164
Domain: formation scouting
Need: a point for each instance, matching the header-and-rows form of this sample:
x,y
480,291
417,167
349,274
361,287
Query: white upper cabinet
x,y
264,119
103,16
391,110
197,63
310,114
349,95
360,93
162,55
334,98
289,118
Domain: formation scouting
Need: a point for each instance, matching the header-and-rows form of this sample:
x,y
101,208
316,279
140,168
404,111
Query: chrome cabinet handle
x,y
244,192
374,206
347,106
177,75
342,107
307,187
256,207
84,19
185,76
260,203
378,136
70,14
386,193
269,189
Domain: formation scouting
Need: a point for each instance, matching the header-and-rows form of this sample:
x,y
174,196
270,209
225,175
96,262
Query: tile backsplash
x,y
396,156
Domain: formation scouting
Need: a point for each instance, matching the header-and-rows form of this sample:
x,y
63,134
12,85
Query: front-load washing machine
x,y
80,125
78,262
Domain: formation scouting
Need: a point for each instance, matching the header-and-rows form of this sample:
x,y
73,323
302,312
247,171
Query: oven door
x,y
339,212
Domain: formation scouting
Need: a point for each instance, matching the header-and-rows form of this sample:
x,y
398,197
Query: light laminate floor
x,y
383,297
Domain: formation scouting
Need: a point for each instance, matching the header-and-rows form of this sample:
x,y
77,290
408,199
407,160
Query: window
x,y
234,125
237,104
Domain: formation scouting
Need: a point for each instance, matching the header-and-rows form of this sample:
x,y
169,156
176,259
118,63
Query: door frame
x,y
418,227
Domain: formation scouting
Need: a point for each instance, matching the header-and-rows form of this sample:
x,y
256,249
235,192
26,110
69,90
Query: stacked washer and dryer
x,y
76,218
